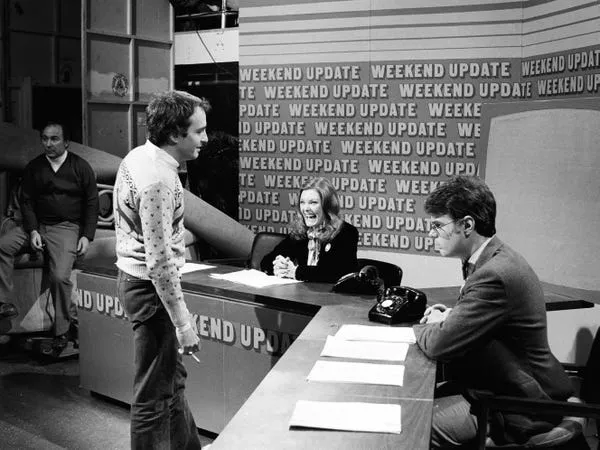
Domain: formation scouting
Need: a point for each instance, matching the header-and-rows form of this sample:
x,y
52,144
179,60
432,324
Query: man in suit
x,y
495,338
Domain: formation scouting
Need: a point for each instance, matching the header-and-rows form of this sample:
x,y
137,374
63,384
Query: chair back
x,y
390,273
590,385
264,242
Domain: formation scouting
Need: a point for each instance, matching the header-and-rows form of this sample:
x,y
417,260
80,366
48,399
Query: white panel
x,y
555,34
221,46
566,18
543,166
555,6
416,55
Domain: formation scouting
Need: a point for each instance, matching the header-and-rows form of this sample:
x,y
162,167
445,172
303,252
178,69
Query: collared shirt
x,y
56,163
475,256
477,253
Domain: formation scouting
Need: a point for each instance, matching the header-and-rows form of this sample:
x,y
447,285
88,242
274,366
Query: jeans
x,y
61,247
160,415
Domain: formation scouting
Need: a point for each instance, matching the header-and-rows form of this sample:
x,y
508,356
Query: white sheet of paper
x,y
380,334
193,267
254,278
362,373
384,351
350,416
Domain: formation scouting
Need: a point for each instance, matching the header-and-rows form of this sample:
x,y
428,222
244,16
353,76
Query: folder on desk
x,y
381,351
254,278
374,333
362,373
347,416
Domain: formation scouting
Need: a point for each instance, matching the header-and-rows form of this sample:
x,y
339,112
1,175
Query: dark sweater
x,y
69,195
337,257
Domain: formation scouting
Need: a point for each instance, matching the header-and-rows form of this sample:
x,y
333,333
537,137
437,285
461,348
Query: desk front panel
x,y
240,344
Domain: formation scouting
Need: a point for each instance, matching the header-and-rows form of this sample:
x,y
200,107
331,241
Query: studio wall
x,y
388,99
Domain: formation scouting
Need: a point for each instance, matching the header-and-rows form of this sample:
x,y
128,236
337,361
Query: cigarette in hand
x,y
190,354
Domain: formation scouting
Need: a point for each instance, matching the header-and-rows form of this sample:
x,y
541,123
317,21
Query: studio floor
x,y
42,407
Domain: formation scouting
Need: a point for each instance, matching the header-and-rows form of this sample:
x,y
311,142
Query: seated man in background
x,y
59,204
495,338
321,246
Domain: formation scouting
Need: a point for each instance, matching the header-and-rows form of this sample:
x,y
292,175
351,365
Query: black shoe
x,y
74,334
8,311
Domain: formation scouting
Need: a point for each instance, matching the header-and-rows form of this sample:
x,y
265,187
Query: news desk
x,y
245,331
258,346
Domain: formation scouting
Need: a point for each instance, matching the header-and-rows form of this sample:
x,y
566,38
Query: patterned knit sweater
x,y
148,211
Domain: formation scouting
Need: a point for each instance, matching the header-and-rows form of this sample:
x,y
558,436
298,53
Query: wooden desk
x,y
246,331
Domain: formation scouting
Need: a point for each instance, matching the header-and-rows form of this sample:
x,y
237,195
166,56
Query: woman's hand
x,y
283,267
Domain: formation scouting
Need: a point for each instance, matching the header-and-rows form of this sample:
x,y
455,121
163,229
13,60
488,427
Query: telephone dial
x,y
399,304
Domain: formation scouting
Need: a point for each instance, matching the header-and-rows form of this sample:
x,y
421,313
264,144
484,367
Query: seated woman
x,y
320,246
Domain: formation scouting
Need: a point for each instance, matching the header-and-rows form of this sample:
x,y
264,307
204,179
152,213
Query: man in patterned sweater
x,y
148,206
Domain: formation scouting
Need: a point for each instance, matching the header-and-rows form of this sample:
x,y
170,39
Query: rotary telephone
x,y
399,304
366,281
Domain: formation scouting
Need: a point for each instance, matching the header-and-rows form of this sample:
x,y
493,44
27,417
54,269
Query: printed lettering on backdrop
x,y
386,134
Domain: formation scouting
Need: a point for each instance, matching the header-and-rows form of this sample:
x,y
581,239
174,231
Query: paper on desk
x,y
384,351
350,416
193,267
373,333
362,373
253,277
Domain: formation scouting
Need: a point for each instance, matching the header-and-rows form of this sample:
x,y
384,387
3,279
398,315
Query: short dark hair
x,y
169,113
66,132
465,196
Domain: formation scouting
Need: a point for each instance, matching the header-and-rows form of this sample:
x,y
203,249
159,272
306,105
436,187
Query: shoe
x,y
8,311
73,334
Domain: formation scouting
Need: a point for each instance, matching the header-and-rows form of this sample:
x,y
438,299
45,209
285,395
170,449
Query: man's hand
x,y
82,246
188,340
35,240
435,313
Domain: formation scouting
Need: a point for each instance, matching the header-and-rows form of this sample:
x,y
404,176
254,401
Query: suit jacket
x,y
336,257
495,338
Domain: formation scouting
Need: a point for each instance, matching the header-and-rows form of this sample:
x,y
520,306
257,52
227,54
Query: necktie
x,y
467,269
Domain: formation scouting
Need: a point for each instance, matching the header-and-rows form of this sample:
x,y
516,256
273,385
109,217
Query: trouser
x,y
61,248
160,415
453,426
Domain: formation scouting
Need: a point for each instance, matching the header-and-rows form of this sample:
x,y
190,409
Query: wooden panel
x,y
69,18
68,61
153,19
139,119
108,128
153,69
32,15
108,62
38,66
108,15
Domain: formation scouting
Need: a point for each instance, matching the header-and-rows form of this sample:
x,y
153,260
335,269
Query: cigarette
x,y
195,358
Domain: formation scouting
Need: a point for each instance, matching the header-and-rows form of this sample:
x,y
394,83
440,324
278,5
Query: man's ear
x,y
173,139
67,143
468,225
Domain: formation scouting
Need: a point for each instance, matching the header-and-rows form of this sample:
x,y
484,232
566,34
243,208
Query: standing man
x,y
59,204
148,205
495,338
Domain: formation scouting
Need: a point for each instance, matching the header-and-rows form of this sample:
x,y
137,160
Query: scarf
x,y
314,247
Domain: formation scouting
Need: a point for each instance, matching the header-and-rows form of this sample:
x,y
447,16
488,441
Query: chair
x,y
264,242
568,435
390,273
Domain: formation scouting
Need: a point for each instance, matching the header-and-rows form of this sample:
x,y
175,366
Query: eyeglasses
x,y
438,229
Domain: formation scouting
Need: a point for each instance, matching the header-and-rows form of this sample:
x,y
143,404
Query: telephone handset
x,y
399,304
366,281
